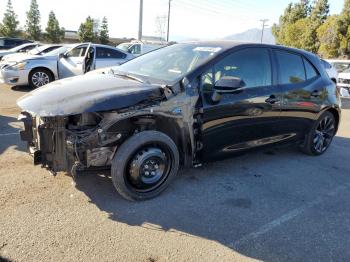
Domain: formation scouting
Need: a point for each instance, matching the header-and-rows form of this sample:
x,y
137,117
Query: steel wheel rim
x,y
40,79
324,134
148,168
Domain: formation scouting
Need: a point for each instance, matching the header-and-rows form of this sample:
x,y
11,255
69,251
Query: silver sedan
x,y
61,63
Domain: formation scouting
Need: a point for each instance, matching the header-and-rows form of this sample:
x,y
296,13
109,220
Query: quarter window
x,y
291,68
106,53
310,70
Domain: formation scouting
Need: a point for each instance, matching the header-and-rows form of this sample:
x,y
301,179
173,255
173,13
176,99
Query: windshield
x,y
57,51
15,49
170,63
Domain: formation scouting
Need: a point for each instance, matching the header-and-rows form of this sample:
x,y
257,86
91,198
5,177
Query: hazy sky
x,y
204,19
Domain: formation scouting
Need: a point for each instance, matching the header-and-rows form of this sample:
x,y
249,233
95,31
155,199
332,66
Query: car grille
x,y
344,81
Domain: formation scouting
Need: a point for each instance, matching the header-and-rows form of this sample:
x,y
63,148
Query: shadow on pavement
x,y
22,88
229,200
9,134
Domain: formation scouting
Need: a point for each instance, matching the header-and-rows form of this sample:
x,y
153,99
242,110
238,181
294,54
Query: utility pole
x,y
140,20
263,28
167,34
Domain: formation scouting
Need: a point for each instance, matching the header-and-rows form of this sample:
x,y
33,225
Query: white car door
x,y
72,63
107,57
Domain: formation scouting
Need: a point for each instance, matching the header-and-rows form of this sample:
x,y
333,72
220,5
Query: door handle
x,y
272,99
315,93
79,63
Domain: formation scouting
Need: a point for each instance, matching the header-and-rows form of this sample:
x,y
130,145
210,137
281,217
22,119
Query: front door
x,y
246,118
73,62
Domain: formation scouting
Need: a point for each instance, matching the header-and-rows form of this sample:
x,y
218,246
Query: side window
x,y
77,51
105,53
310,70
135,49
252,65
291,68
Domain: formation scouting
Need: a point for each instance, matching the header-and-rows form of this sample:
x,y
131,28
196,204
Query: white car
x,y
344,82
331,71
340,65
139,48
39,70
18,49
36,51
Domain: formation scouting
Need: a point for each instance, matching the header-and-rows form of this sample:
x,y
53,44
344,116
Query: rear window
x,y
291,68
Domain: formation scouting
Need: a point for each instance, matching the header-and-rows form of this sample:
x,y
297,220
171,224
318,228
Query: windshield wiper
x,y
127,76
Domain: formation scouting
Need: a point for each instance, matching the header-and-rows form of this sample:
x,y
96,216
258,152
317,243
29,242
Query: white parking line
x,y
286,217
10,134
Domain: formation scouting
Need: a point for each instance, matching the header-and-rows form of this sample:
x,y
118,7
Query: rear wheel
x,y
320,136
39,77
144,165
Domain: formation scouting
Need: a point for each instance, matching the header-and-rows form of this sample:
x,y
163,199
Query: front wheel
x,y
144,165
320,136
39,77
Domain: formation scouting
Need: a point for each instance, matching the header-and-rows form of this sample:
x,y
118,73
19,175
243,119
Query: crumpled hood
x,y
87,93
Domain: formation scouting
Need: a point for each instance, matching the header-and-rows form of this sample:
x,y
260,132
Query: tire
x,y
323,130
144,165
40,77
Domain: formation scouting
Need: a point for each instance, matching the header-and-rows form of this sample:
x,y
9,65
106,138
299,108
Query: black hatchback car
x,y
185,104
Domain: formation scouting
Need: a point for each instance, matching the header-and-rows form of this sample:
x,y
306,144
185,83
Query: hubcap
x,y
148,168
324,134
40,79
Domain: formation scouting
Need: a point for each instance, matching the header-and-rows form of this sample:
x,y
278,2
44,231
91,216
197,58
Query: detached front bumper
x,y
14,77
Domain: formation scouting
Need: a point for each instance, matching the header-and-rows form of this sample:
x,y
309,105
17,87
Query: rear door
x,y
73,62
303,92
246,118
106,57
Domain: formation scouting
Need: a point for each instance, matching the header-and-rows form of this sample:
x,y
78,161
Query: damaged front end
x,y
90,132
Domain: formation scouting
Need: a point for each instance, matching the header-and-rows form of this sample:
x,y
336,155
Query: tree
x,y
104,32
54,33
328,35
33,28
291,15
86,31
9,26
344,29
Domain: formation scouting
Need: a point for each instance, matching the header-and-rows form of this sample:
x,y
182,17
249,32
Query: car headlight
x,y
18,66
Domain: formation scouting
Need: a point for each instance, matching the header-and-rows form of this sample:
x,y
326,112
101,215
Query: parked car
x,y
8,42
41,70
331,71
340,65
185,104
344,82
38,50
18,49
139,48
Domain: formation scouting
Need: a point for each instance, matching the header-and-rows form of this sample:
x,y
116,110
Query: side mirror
x,y
229,84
